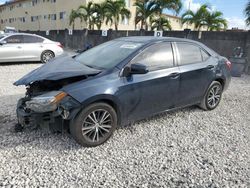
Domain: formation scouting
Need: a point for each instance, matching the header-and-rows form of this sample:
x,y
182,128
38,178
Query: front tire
x,y
94,125
46,56
213,96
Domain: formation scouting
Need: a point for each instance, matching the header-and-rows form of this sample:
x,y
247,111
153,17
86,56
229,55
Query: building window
x,y
62,15
34,18
53,16
53,1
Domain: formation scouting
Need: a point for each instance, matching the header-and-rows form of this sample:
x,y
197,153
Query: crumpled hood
x,y
57,69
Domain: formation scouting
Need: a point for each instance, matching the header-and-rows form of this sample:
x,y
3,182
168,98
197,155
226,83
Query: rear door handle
x,y
174,75
19,47
210,67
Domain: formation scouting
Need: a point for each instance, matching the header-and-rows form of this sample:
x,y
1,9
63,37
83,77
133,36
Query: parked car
x,y
22,47
10,30
119,82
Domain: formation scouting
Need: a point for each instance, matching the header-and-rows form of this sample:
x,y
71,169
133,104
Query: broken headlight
x,y
47,102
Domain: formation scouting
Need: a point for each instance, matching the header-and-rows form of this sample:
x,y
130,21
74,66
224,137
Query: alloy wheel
x,y
47,56
97,125
214,96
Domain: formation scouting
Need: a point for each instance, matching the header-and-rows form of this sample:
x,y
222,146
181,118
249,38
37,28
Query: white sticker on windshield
x,y
130,46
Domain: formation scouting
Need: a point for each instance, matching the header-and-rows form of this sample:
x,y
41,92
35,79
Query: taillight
x,y
60,45
229,64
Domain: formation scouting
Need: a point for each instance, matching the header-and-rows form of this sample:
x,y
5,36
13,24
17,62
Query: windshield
x,y
107,55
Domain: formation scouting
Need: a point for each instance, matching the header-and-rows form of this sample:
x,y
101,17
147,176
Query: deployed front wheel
x,y
213,96
94,125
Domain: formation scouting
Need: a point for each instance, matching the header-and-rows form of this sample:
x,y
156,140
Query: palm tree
x,y
161,24
197,18
85,14
144,10
215,21
98,14
175,5
72,17
247,13
115,10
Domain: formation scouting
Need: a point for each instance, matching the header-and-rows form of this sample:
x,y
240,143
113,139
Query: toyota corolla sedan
x,y
23,47
119,82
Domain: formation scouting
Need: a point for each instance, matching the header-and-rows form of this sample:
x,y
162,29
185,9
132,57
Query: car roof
x,y
149,39
152,39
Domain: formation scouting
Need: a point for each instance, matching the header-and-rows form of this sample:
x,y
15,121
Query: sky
x,y
232,9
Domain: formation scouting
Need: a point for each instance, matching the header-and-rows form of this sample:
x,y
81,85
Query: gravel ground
x,y
184,148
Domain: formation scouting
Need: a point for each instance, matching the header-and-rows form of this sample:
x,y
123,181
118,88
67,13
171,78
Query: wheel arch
x,y
108,99
221,81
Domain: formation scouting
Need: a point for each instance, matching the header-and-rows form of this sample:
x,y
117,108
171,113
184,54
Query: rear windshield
x,y
108,55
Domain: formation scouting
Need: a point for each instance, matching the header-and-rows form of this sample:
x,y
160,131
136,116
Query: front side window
x,y
189,53
157,56
14,39
108,55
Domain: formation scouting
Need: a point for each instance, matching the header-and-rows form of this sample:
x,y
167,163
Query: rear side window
x,y
189,53
32,39
14,39
157,56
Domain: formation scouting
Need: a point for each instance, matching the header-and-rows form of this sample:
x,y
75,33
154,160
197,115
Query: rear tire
x,y
46,56
213,96
94,125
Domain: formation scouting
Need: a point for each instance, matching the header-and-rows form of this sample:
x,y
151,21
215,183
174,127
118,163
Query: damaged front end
x,y
44,103
45,107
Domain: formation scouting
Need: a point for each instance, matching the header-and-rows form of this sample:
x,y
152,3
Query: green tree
x,y
215,21
160,23
85,13
145,9
247,13
175,5
115,11
98,15
197,18
72,17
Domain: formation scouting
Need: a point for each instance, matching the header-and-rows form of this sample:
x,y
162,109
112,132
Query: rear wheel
x,y
213,96
94,125
46,56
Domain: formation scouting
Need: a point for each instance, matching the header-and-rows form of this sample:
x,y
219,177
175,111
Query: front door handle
x,y
19,47
210,67
174,75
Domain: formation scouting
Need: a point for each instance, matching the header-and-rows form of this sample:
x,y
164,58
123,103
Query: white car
x,y
22,47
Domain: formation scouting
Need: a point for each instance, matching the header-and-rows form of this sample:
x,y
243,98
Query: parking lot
x,y
186,147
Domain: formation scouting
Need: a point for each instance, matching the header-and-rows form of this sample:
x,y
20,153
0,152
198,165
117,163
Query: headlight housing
x,y
47,102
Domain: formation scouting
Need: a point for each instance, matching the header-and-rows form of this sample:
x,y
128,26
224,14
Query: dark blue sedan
x,y
119,82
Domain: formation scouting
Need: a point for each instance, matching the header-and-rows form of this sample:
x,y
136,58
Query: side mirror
x,y
3,42
134,69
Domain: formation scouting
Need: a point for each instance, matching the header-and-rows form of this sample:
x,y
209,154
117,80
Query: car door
x,y
197,71
155,91
11,51
32,47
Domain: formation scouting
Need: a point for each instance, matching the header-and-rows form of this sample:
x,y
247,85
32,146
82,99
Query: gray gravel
x,y
186,148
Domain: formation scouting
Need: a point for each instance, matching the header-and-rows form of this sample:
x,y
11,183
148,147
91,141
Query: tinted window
x,y
14,39
156,57
204,55
32,39
189,53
